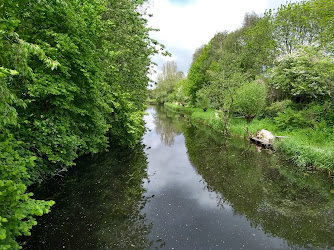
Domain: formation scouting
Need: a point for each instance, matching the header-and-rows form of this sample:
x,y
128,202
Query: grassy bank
x,y
307,148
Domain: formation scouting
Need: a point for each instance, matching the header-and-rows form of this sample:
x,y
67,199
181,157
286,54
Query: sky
x,y
185,25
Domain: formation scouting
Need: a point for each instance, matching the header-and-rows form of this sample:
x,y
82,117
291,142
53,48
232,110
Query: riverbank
x,y
309,148
185,187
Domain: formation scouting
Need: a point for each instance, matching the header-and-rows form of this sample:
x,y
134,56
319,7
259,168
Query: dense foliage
x,y
305,75
73,77
167,81
278,65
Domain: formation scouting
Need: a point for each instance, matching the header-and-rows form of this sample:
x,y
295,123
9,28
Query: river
x,y
186,187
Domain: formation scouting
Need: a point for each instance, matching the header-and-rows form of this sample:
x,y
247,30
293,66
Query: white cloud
x,y
192,25
184,28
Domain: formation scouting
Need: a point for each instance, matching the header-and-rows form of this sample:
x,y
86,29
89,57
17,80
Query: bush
x,y
309,117
276,107
17,208
250,100
329,114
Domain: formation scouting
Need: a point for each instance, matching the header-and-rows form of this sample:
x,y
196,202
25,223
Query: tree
x,y
323,12
197,53
295,25
167,80
198,76
181,91
250,99
73,78
305,75
259,46
17,208
225,80
169,72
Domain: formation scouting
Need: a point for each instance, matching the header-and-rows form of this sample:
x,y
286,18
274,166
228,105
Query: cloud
x,y
274,4
185,25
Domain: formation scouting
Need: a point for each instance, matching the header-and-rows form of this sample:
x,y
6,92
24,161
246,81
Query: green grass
x,y
311,147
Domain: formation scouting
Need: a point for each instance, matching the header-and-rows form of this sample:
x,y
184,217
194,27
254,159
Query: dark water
x,y
186,188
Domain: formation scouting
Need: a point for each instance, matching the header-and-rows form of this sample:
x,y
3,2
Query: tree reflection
x,y
97,206
283,203
166,127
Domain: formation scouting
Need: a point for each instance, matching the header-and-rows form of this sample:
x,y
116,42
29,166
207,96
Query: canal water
x,y
186,187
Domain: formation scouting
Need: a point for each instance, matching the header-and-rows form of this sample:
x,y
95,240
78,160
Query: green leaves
x,y
7,72
250,99
167,81
198,76
304,75
73,77
16,206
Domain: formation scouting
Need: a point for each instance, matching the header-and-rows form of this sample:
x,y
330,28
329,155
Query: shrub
x,y
276,107
250,100
309,117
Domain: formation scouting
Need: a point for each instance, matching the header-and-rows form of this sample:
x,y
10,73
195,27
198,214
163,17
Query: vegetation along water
x,y
186,188
276,72
73,85
73,79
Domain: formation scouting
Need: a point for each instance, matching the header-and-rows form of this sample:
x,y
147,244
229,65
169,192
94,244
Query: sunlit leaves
x,y
17,208
250,99
304,75
167,81
73,76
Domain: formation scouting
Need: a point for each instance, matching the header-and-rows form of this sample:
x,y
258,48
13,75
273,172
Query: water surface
x,y
186,188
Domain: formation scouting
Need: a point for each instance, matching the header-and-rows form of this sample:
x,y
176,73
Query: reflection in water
x,y
295,207
241,199
190,190
184,210
97,205
165,127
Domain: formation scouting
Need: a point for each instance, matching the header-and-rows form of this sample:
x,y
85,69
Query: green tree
x,y
323,12
17,208
167,81
73,77
182,91
305,75
259,46
250,99
203,98
198,76
221,93
295,25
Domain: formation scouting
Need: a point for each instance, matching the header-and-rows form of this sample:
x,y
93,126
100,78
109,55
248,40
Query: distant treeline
x,y
73,78
288,51
278,66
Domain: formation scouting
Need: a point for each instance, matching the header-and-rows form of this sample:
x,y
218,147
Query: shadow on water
x,y
98,205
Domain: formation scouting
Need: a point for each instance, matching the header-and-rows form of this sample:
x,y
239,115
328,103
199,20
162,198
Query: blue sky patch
x,y
182,2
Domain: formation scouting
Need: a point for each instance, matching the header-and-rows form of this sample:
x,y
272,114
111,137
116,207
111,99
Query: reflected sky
x,y
185,214
188,190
